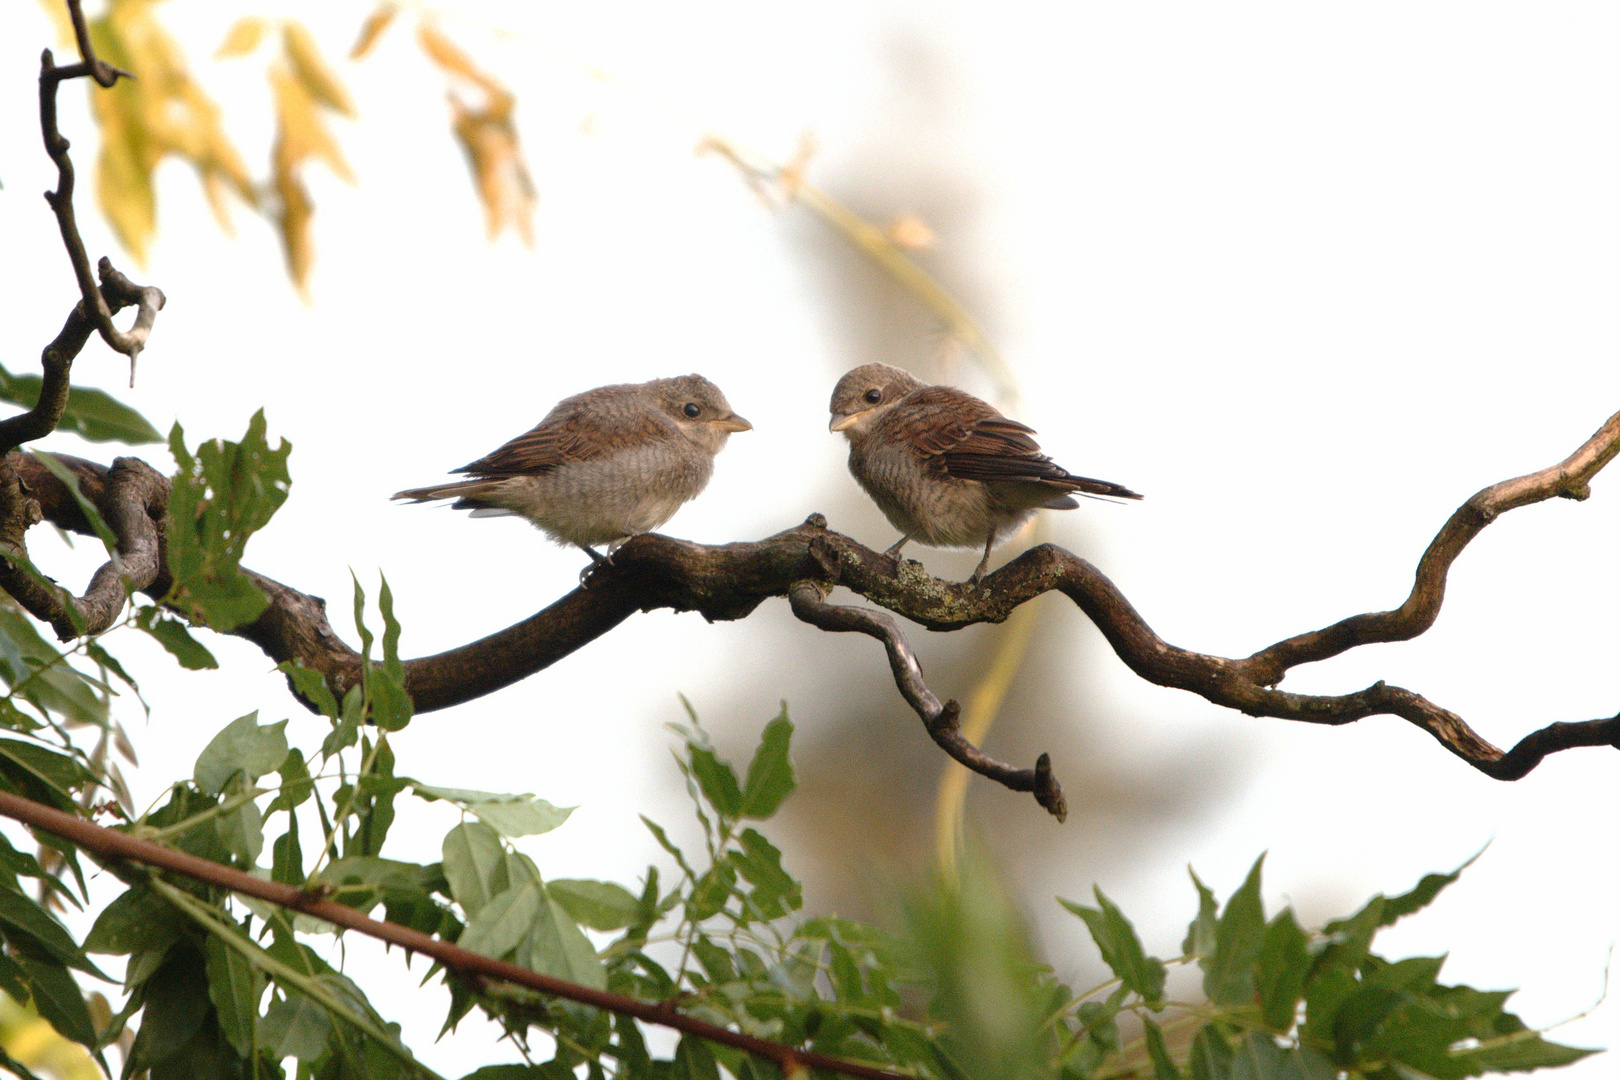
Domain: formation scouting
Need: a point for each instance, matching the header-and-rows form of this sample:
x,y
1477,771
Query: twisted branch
x,y
725,582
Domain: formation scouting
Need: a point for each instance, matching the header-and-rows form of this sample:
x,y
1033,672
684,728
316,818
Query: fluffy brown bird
x,y
603,465
945,468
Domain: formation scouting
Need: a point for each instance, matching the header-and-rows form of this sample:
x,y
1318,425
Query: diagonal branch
x,y
114,846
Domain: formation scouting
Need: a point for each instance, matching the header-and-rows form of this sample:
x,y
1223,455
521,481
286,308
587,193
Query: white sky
x,y
1308,275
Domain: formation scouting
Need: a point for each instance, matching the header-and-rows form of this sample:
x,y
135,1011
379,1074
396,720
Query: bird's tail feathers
x,y
1085,485
469,494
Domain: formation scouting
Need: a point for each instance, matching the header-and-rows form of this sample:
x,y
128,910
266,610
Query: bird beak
x,y
733,423
839,423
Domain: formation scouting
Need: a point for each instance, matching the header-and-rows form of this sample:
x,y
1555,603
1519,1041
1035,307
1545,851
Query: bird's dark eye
x,y
874,396
691,409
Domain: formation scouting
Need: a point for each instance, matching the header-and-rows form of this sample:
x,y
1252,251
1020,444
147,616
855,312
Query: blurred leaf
x,y
1164,1067
775,892
1200,939
716,780
173,635
295,1026
234,986
489,138
1121,949
177,1006
1211,1057
1258,1057
30,928
1229,979
36,668
503,922
770,773
1307,1065
242,38
555,946
93,415
59,999
371,31
311,69
1398,907
244,746
510,815
161,112
301,136
137,920
1280,971
296,785
600,905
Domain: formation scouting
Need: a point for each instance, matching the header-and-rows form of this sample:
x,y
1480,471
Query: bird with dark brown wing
x,y
604,465
945,468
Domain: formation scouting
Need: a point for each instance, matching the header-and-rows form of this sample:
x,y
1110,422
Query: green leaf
x,y
1257,1058
172,634
311,686
391,705
31,927
510,815
1211,1057
177,1006
245,747
503,922
1121,949
346,732
716,780
1200,940
59,999
556,946
1164,1067
287,856
137,920
711,891
474,865
242,831
70,480
234,986
1280,971
296,1027
600,905
775,892
221,496
770,773
1300,1064
1523,1054
1398,907
296,785
1229,978
93,415
35,665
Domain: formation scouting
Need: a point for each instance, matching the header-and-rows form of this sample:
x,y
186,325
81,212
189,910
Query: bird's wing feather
x,y
957,435
574,432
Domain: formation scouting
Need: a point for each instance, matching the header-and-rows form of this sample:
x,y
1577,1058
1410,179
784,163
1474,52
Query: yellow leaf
x,y
489,138
243,37
910,233
312,70
162,111
371,30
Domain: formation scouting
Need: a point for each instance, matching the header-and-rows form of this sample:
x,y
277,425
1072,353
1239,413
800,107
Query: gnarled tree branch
x,y
725,582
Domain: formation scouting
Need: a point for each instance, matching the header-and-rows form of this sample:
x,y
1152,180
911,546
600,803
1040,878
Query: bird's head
x,y
866,393
699,410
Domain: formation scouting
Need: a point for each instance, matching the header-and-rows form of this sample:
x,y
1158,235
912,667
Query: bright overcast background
x,y
1307,275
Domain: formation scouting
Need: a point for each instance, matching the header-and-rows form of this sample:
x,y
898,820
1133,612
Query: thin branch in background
x,y
92,304
111,845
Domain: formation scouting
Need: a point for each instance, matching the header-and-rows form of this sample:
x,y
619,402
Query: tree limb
x,y
111,845
726,582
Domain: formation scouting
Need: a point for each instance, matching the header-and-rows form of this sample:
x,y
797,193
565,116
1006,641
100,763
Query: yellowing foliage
x,y
303,88
162,111
371,30
489,137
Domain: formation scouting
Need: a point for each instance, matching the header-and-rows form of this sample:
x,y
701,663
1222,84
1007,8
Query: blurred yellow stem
x,y
983,705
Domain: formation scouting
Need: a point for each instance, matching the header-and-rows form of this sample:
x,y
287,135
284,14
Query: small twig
x,y
113,845
809,600
93,305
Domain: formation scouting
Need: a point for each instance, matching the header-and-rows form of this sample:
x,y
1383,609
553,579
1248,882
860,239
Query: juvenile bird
x,y
603,465
945,468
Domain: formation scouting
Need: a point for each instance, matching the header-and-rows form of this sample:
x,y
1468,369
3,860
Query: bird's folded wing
x,y
572,433
958,435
